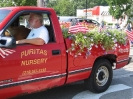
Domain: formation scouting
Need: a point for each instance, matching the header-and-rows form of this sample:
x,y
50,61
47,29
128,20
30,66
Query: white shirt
x,y
40,32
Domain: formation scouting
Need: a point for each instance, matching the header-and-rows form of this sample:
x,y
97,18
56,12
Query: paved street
x,y
121,88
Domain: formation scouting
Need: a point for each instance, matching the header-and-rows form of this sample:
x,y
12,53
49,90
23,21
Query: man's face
x,y
32,21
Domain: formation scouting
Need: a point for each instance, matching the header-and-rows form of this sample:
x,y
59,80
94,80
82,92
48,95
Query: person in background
x,y
39,34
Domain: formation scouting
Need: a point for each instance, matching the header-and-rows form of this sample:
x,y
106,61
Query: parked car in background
x,y
74,19
66,18
85,20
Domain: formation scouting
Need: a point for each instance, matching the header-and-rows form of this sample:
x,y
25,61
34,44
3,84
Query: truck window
x,y
20,27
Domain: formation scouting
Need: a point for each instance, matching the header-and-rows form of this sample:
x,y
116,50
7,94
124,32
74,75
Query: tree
x,y
68,7
120,7
6,3
62,7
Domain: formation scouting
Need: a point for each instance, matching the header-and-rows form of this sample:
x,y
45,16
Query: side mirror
x,y
7,42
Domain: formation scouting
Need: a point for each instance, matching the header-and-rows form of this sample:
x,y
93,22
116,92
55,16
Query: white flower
x,y
72,44
75,55
96,46
113,38
73,49
85,37
86,57
125,44
90,48
113,47
79,53
103,48
91,45
91,39
67,51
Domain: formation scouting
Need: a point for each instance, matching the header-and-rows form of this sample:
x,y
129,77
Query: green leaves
x,y
8,3
120,7
63,7
69,7
107,39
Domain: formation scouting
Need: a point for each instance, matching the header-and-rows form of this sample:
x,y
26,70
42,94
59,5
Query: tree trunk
x,y
40,3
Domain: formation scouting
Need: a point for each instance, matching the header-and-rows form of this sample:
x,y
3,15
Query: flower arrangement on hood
x,y
84,39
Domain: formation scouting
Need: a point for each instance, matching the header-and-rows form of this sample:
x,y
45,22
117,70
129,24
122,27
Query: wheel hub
x,y
102,76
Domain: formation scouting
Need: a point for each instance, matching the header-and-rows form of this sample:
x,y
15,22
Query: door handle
x,y
55,52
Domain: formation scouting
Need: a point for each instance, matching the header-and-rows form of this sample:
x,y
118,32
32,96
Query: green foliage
x,y
68,7
118,7
26,2
107,39
8,3
62,7
4,3
65,32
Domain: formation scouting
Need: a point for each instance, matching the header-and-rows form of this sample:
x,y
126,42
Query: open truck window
x,y
20,28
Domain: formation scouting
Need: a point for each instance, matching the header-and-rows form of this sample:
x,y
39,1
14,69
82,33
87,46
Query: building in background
x,y
100,13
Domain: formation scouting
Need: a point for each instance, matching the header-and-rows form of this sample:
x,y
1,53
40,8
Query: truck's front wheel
x,y
101,76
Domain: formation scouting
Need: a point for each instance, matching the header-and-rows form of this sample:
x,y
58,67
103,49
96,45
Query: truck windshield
x,y
3,14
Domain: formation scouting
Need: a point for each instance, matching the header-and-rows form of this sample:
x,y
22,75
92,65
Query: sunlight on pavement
x,y
89,95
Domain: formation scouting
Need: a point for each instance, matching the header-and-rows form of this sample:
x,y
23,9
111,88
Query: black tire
x,y
100,77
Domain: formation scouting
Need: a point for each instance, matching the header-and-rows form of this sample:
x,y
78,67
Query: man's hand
x,y
17,42
20,41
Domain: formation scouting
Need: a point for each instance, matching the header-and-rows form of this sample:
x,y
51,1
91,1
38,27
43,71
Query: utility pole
x,y
86,9
40,3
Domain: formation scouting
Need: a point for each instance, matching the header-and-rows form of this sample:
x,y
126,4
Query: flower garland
x,y
82,43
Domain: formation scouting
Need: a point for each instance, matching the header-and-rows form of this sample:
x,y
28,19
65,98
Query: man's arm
x,y
35,41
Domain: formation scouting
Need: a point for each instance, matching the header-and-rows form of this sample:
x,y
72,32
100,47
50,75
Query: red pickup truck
x,y
27,68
